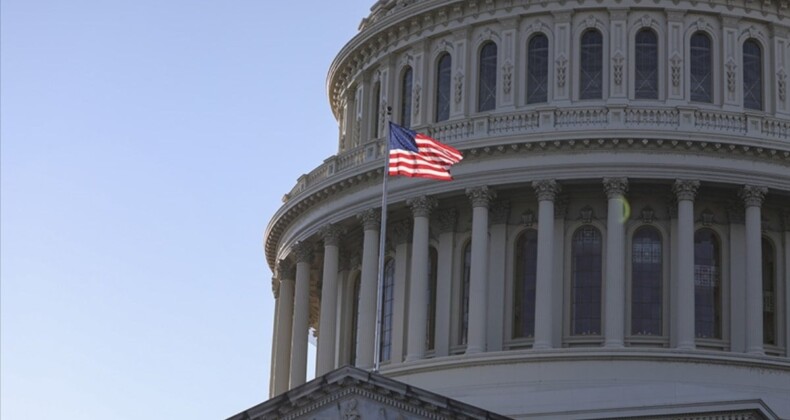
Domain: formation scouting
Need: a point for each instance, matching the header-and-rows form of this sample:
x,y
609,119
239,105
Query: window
x,y
464,315
486,84
707,284
537,69
769,293
586,281
385,348
646,65
405,98
646,282
524,284
374,114
354,320
443,77
591,66
752,75
433,257
701,68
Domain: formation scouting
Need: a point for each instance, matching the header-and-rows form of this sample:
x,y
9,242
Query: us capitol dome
x,y
615,243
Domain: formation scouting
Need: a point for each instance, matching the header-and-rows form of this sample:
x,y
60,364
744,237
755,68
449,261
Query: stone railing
x,y
559,120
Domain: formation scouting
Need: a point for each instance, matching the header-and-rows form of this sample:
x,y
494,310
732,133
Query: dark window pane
x,y
486,88
646,65
586,281
752,75
591,66
375,108
701,68
386,311
405,98
524,284
443,76
464,326
707,284
537,69
769,293
646,282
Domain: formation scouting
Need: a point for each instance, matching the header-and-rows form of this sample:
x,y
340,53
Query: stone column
x,y
399,235
444,279
547,191
418,288
685,190
327,330
753,197
272,364
299,333
285,308
614,286
366,320
498,214
476,336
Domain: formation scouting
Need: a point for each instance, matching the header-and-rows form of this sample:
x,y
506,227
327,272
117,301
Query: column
x,y
685,191
272,364
614,286
366,320
304,256
737,244
399,234
546,191
753,197
476,336
285,308
444,280
327,329
497,256
418,288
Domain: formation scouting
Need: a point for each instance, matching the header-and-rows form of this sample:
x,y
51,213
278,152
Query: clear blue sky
x,y
145,146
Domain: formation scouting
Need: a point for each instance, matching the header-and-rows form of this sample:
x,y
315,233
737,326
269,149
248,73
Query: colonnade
x,y
291,340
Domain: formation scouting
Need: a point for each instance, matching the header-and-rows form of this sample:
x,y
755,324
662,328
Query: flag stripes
x,y
417,155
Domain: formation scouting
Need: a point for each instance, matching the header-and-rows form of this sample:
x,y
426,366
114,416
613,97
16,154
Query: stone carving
x,y
351,412
675,67
731,67
459,86
480,196
400,232
286,270
707,217
617,66
370,218
586,214
421,206
546,189
303,252
590,21
331,234
647,20
275,287
447,220
507,77
752,195
561,63
561,207
615,187
528,218
417,95
781,84
685,189
647,214
499,211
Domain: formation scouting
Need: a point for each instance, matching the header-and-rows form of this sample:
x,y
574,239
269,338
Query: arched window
x,y
354,320
591,65
524,284
752,75
538,69
433,258
464,310
701,68
646,282
486,84
586,281
646,65
374,109
386,311
707,284
769,293
443,76
405,98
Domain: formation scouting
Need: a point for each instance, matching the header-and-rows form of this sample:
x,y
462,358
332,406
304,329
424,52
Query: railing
x,y
558,120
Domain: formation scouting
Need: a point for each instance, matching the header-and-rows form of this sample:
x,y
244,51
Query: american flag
x,y
414,154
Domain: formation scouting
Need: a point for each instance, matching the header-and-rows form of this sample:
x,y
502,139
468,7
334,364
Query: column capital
x,y
275,287
753,195
480,196
546,189
370,218
447,220
421,206
500,210
685,189
331,234
401,232
303,252
615,187
286,270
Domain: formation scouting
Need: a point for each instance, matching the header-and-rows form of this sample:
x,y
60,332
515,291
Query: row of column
x,y
293,306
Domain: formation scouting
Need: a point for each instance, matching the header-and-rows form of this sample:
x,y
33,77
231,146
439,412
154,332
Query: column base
x,y
756,351
614,344
541,346
413,357
473,350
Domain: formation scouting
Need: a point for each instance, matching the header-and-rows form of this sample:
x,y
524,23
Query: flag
x,y
414,154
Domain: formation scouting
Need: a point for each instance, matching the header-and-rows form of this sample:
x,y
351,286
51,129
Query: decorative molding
x,y
370,218
617,66
480,196
731,67
647,215
561,63
707,218
500,212
615,187
685,189
546,189
421,206
528,218
459,86
448,218
417,96
676,64
400,232
276,287
753,196
303,252
286,270
781,84
331,234
586,214
507,76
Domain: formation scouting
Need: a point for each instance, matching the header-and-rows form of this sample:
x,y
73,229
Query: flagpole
x,y
382,244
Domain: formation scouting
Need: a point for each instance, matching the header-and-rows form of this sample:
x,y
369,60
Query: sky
x,y
144,146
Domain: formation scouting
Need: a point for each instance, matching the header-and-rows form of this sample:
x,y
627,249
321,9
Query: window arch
x,y
591,65
646,282
374,114
752,75
443,79
701,68
537,69
707,284
463,326
385,349
646,64
526,259
430,331
486,82
405,97
769,292
586,275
